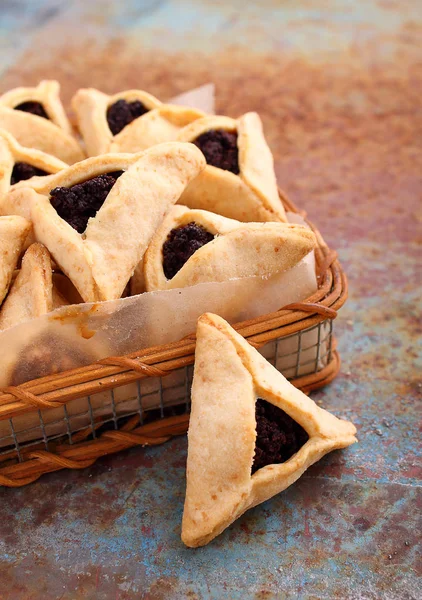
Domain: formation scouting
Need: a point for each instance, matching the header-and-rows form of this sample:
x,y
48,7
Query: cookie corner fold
x,y
116,240
31,294
14,231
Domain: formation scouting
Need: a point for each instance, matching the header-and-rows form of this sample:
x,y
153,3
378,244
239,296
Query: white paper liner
x,y
202,98
76,335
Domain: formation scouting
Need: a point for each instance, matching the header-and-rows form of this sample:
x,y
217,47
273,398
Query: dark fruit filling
x,y
278,435
82,201
220,149
35,108
181,243
22,171
121,113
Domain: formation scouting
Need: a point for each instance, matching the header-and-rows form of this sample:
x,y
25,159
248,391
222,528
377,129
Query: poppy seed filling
x,y
81,202
220,149
180,244
278,436
22,171
34,108
121,113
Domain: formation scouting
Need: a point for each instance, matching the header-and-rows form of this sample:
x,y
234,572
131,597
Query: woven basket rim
x,y
53,391
84,453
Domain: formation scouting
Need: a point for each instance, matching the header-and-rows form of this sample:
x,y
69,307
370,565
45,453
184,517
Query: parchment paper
x,y
73,336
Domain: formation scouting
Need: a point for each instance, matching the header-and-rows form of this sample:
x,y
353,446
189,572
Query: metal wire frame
x,y
162,401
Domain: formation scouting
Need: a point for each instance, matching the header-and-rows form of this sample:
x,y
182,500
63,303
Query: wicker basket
x,y
57,422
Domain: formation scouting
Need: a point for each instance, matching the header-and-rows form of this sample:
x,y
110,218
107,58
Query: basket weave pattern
x,y
20,464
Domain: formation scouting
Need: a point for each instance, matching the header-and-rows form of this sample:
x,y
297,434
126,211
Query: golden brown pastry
x,y
32,293
239,181
36,118
19,164
18,200
65,289
42,100
97,217
197,246
236,396
13,233
129,121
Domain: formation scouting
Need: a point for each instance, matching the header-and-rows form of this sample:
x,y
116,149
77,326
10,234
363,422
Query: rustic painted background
x,y
339,86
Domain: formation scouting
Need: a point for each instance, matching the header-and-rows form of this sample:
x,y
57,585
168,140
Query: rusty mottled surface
x,y
338,85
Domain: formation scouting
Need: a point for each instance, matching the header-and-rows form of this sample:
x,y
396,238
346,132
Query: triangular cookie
x,y
36,118
239,181
197,246
42,100
19,164
222,483
31,294
112,205
129,121
18,200
13,233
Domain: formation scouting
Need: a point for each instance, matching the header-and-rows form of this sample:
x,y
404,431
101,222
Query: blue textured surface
x,y
338,84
